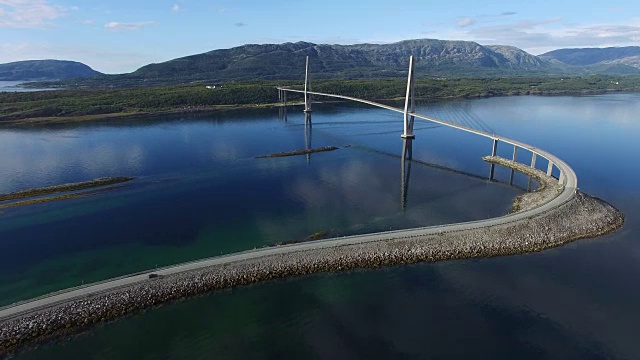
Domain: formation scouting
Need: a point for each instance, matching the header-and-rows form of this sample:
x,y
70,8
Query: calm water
x,y
12,86
196,176
201,192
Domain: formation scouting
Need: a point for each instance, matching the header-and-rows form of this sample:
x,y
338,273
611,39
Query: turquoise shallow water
x,y
200,191
574,302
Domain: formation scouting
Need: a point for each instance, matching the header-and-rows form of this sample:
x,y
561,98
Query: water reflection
x,y
307,135
407,154
282,113
201,192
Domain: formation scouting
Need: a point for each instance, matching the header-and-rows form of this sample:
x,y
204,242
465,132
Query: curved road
x,y
54,299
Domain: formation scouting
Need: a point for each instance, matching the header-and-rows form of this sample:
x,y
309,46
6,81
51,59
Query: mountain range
x,y
432,58
37,70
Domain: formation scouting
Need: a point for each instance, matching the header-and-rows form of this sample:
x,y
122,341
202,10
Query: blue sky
x,y
115,36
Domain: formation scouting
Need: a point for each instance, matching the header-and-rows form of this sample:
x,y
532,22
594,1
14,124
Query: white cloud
x,y
545,35
28,13
536,35
175,8
88,22
465,21
127,26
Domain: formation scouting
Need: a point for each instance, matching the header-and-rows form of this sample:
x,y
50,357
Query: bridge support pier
x,y
549,168
307,88
533,160
282,96
409,101
515,153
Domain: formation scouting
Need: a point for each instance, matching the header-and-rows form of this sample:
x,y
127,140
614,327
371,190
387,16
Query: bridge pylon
x,y
307,88
409,104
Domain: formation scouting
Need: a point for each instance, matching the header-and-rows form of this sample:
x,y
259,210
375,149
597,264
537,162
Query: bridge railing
x,y
566,178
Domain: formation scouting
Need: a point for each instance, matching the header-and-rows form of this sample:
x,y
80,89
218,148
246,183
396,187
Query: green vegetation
x,y
94,103
433,58
88,104
590,56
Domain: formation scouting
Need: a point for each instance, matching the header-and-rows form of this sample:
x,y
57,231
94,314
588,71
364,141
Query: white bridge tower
x,y
307,88
409,104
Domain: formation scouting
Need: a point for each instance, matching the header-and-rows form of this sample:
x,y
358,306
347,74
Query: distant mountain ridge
x,y
41,70
432,58
283,61
628,55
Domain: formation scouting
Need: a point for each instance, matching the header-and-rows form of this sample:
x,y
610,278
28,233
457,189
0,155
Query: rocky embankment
x,y
549,186
580,217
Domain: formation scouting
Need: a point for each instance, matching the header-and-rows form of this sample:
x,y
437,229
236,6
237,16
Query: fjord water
x,y
12,86
578,301
201,192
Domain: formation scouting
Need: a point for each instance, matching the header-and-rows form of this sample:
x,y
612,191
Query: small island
x,y
68,191
298,152
64,188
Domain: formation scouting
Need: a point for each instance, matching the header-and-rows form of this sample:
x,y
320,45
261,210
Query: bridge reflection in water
x,y
567,179
308,128
406,161
405,167
282,113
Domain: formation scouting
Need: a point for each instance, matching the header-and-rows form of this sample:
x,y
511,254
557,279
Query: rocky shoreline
x,y
549,187
580,217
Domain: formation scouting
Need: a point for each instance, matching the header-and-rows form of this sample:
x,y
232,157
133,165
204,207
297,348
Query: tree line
x,y
82,102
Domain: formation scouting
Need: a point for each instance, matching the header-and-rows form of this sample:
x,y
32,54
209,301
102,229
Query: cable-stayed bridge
x,y
456,118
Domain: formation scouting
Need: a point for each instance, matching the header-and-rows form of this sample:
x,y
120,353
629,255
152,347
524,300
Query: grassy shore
x,y
74,105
